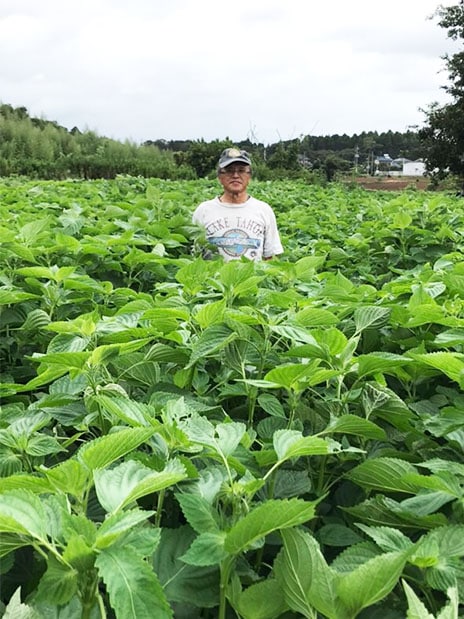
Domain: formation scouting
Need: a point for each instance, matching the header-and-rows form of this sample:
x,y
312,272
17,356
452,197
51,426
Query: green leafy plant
x,y
263,440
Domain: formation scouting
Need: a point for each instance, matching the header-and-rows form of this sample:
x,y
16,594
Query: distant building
x,y
400,166
414,168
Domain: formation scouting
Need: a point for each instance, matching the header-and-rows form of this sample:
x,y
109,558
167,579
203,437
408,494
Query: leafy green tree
x,y
443,135
202,156
285,156
331,165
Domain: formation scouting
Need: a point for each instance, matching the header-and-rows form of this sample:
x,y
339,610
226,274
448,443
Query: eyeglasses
x,y
231,171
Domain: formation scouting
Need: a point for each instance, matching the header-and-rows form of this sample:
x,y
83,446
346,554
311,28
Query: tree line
x,y
41,148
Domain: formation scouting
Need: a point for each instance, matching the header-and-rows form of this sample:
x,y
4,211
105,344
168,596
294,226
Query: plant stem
x,y
225,570
320,481
101,606
159,507
252,405
89,595
293,401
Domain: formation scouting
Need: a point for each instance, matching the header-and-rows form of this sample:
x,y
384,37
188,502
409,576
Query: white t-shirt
x,y
248,229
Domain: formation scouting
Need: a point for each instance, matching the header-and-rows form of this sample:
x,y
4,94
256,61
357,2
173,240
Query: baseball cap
x,y
233,155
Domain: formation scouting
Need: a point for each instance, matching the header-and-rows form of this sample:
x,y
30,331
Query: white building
x,y
406,167
414,168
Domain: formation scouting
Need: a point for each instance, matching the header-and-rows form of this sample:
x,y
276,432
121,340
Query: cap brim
x,y
224,164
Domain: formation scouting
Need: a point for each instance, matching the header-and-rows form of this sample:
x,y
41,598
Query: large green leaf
x,y
384,511
380,363
7,297
289,483
233,274
46,375
384,474
370,582
443,467
298,334
269,516
210,314
182,582
315,317
68,360
306,579
291,376
373,397
224,438
425,503
262,600
198,512
401,220
33,483
416,609
42,445
123,484
17,610
68,343
351,424
106,449
59,583
211,341
370,317
442,482
70,476
450,363
355,555
292,444
9,542
305,267
193,275
450,337
309,582
132,585
388,538
449,540
132,413
36,319
163,353
206,549
451,610
439,554
102,354
118,524
271,405
78,554
297,376
22,512
337,535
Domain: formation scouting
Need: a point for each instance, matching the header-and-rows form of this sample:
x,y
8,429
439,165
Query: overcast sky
x,y
192,69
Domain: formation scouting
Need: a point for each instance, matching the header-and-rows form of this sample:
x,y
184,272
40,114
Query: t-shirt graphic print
x,y
236,236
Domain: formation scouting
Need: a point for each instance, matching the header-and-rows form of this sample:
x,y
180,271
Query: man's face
x,y
235,177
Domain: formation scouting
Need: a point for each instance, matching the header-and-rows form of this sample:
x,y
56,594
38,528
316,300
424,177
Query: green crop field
x,y
182,437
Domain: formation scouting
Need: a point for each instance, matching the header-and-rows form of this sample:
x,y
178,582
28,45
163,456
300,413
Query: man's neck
x,y
234,198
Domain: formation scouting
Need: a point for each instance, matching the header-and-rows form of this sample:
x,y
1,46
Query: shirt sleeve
x,y
272,243
196,215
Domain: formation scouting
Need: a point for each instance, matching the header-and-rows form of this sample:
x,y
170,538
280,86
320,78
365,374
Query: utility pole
x,y
356,159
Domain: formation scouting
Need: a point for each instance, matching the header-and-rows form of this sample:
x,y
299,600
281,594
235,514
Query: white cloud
x,y
180,69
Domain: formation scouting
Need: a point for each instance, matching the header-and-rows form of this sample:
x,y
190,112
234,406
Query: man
x,y
235,222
